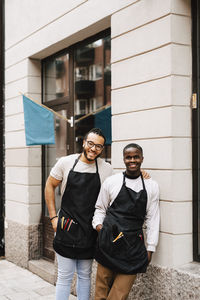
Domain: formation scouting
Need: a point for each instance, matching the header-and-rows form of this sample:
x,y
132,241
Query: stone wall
x,y
23,242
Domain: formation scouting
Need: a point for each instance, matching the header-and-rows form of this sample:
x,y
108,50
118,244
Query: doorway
x,y
77,84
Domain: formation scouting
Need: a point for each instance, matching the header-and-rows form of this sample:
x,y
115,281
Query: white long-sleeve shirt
x,y
108,193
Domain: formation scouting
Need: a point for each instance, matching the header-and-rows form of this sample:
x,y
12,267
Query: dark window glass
x,y
92,91
56,74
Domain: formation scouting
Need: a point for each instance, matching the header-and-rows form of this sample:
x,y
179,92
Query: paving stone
x,y
20,284
45,291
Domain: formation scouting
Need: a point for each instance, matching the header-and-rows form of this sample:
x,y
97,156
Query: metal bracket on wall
x,y
194,101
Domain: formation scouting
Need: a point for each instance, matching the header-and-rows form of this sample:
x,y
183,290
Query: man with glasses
x,y
80,176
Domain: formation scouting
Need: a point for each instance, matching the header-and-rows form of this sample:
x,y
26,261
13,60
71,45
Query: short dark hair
x,y
96,131
133,145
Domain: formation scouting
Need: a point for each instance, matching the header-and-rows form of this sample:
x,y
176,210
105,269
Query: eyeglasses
x,y
98,147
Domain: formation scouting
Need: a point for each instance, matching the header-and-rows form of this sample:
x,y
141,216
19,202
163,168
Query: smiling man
x,y
80,176
125,202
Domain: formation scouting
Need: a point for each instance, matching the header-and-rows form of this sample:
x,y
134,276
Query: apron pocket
x,y
69,232
112,243
119,246
137,250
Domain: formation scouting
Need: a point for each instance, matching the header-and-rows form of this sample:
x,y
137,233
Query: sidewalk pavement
x,y
20,284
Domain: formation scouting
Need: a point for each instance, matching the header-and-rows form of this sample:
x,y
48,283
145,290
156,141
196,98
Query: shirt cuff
x,y
95,223
151,248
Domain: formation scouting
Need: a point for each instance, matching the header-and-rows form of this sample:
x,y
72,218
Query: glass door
x,y
52,154
56,96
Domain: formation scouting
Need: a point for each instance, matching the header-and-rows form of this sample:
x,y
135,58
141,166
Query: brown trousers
x,y
111,285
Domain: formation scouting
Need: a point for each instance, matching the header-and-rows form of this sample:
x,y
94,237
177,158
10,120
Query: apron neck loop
x,y
143,181
124,182
76,161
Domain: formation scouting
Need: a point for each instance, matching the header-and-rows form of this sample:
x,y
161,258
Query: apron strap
x,y
97,170
76,161
124,182
143,182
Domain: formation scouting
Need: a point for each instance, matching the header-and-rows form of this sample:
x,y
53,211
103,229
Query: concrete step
x,y
43,268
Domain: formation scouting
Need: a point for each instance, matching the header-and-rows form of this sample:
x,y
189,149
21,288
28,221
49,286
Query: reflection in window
x,y
92,90
54,152
56,78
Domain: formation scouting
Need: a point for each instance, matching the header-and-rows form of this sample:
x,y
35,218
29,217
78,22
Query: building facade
x,y
141,57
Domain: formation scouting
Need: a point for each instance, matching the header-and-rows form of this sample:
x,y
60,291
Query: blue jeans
x,y
66,269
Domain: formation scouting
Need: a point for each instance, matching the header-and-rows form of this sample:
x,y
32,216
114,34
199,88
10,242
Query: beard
x,y
89,159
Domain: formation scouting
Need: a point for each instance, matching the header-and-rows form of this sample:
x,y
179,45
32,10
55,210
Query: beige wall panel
x,y
23,193
56,37
170,29
168,153
145,12
28,156
14,122
169,60
176,217
181,60
34,85
23,213
92,17
174,185
35,156
172,90
181,90
181,7
33,16
25,175
142,39
16,72
14,106
31,84
181,29
20,154
162,122
31,67
15,88
15,139
34,67
173,250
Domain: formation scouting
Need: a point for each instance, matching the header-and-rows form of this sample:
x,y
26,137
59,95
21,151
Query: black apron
x,y
75,237
120,245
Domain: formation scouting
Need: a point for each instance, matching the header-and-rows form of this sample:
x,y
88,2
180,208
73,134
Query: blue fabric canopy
x,y
102,120
39,124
